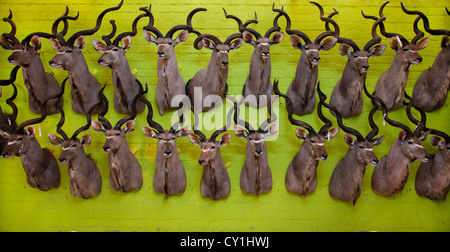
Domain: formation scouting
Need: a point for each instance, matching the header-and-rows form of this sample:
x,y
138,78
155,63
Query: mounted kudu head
x,y
261,43
308,47
67,51
166,44
111,51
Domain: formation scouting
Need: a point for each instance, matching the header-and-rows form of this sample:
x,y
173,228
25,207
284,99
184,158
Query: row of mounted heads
x,y
261,43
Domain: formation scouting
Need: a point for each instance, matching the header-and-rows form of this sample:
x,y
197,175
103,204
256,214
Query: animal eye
x,y
68,51
170,43
405,49
361,147
19,139
212,147
115,49
74,146
355,56
306,48
410,142
257,42
118,134
312,141
217,50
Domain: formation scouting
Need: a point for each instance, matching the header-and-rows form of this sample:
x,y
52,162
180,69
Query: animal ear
x,y
402,135
273,129
149,36
208,44
80,42
377,50
194,139
349,140
97,126
86,140
236,44
296,42
5,43
183,36
435,140
126,43
184,131
36,42
240,131
423,43
54,139
444,42
225,139
301,133
377,141
345,50
55,44
424,135
395,43
331,133
4,134
248,38
30,131
277,38
328,43
148,132
129,126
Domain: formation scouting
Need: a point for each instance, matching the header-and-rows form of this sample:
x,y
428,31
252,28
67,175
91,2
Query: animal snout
x,y
375,161
100,61
201,162
160,54
62,160
51,62
265,54
324,156
167,153
258,152
105,148
419,59
316,60
365,67
224,63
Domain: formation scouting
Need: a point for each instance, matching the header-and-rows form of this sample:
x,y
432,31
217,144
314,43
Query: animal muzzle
x,y
315,60
224,64
167,153
365,68
62,160
6,155
265,55
161,54
106,148
426,158
258,153
374,162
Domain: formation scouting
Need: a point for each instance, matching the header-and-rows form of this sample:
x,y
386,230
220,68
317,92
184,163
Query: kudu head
x,y
314,141
166,138
309,48
261,43
19,140
255,138
68,55
166,44
445,45
361,146
115,136
111,51
406,51
24,51
410,141
220,49
359,58
73,147
210,147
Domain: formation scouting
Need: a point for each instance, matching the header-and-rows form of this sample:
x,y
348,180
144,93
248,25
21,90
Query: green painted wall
x,y
25,209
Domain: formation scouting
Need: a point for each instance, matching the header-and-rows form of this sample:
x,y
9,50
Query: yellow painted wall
x,y
25,209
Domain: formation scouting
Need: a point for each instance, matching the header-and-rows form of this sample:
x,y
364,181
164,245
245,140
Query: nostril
x,y
419,59
316,59
105,148
225,63
160,54
201,162
258,152
324,156
375,161
51,62
167,152
366,67
100,61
